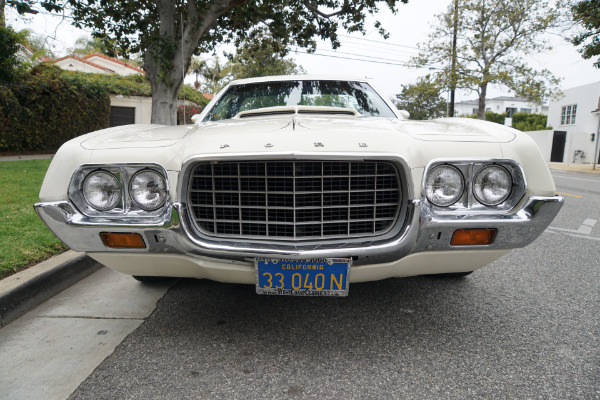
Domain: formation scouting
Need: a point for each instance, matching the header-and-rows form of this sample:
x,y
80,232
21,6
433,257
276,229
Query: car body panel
x,y
418,244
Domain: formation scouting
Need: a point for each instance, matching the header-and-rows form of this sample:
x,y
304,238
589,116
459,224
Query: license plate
x,y
320,277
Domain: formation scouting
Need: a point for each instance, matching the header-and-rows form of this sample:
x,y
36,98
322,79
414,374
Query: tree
x,y
197,68
27,7
493,38
422,100
85,45
587,14
9,48
216,76
262,55
169,32
36,43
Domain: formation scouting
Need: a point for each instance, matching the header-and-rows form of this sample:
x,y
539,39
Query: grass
x,y
24,238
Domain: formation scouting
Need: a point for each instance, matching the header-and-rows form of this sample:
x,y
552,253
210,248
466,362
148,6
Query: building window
x,y
475,110
525,110
510,111
567,116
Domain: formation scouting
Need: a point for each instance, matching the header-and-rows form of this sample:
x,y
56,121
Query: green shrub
x,y
492,117
521,121
530,122
190,111
131,85
41,110
44,109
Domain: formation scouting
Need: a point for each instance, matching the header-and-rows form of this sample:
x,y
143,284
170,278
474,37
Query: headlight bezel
x,y
124,173
470,168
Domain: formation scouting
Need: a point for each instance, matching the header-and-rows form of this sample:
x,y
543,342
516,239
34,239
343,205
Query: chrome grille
x,y
294,199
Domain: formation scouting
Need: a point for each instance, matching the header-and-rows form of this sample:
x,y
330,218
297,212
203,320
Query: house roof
x,y
500,98
141,71
209,96
74,57
26,49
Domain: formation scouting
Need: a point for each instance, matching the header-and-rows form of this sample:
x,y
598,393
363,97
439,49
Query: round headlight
x,y
148,190
444,185
102,190
492,185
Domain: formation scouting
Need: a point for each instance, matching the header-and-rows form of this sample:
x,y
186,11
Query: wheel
x,y
151,279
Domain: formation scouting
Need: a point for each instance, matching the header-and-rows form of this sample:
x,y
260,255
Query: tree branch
x,y
315,10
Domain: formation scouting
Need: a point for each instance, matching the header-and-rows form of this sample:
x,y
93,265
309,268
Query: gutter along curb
x,y
22,292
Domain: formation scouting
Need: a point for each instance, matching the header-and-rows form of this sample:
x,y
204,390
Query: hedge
x,y
530,122
132,85
49,106
522,121
45,109
188,111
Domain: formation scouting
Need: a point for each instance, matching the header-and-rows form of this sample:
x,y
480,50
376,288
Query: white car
x,y
299,185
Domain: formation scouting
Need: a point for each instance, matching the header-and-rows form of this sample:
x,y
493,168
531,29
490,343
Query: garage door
x,y
121,116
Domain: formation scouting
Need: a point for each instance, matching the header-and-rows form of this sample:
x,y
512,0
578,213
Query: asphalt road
x,y
526,326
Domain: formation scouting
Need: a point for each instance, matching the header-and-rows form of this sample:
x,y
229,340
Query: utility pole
x,y
453,62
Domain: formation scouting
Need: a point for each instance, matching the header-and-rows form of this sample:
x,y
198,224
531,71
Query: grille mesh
x,y
294,199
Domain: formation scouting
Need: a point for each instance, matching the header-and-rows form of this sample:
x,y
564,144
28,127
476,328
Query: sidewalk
x,y
25,290
26,157
589,168
48,352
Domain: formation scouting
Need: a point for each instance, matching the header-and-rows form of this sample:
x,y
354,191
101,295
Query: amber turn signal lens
x,y
473,237
123,240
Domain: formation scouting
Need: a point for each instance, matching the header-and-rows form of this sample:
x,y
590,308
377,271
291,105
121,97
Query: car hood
x,y
459,129
340,133
260,132
417,142
135,136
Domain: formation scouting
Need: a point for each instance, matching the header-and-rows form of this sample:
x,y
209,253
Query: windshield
x,y
358,96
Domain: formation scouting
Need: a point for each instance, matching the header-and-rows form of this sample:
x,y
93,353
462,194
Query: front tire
x,y
151,279
452,275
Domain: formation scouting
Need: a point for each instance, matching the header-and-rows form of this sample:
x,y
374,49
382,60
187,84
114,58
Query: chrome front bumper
x,y
423,231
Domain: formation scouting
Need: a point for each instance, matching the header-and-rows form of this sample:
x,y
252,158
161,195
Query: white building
x,y
499,105
574,118
123,109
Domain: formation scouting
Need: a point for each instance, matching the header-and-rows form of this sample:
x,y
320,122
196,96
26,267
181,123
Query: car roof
x,y
298,78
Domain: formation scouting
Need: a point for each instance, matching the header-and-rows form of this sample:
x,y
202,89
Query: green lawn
x,y
24,239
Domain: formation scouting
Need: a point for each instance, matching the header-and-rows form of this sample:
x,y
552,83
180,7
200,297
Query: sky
x,y
385,58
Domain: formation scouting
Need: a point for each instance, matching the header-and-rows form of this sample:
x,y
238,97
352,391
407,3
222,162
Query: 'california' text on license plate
x,y
319,277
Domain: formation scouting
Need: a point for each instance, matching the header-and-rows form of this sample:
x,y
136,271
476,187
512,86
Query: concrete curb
x,y
27,289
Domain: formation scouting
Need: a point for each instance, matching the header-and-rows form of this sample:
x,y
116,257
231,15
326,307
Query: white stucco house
x,y
575,119
123,109
499,105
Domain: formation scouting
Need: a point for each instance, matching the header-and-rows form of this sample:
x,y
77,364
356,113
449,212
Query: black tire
x,y
151,279
452,275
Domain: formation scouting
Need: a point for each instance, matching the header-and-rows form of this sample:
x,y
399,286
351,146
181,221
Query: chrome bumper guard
x,y
423,230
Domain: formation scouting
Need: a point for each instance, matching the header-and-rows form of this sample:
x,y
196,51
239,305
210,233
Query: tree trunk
x,y
164,102
2,18
165,67
481,103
